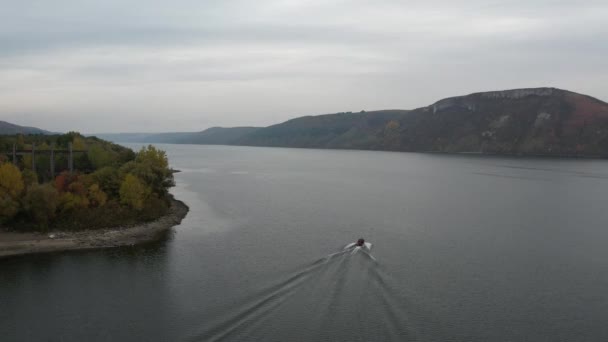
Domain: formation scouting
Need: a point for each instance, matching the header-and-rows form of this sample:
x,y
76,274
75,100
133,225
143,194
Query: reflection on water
x,y
467,248
65,297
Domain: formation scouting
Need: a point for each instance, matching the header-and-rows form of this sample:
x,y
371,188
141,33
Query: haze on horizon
x,y
152,66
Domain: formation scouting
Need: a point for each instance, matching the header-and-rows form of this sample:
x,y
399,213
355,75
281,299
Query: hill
x,y
210,136
532,121
167,138
538,121
361,130
7,128
218,136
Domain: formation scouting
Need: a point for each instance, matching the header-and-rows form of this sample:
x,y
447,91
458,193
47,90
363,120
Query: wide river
x,y
465,248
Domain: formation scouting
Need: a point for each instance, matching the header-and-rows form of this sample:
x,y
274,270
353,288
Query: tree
x,y
152,156
152,167
69,201
96,196
41,203
133,192
73,191
108,180
101,179
78,188
101,157
11,180
11,188
79,143
26,161
30,177
125,155
64,180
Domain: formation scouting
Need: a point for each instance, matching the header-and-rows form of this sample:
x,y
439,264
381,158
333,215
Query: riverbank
x,y
12,244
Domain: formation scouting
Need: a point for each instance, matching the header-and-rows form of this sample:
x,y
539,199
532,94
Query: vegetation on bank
x,y
110,186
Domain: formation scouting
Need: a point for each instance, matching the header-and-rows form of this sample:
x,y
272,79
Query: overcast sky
x,y
156,65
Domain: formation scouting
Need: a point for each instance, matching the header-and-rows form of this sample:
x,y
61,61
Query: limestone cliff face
x,y
468,102
546,121
518,93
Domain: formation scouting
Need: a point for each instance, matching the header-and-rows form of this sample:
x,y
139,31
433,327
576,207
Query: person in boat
x,y
360,243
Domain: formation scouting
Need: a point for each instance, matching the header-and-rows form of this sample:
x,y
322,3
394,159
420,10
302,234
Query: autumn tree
x,y
152,156
152,167
41,203
77,187
11,188
104,173
11,181
133,192
108,179
29,177
96,196
26,162
73,191
63,181
101,157
69,201
79,143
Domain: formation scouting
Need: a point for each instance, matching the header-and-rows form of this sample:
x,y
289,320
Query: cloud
x,y
158,65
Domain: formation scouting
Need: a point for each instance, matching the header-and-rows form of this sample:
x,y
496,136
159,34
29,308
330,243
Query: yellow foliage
x,y
11,188
97,198
27,161
11,180
392,125
69,201
133,192
152,156
79,143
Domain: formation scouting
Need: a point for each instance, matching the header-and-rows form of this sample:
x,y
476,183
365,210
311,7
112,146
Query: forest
x,y
107,185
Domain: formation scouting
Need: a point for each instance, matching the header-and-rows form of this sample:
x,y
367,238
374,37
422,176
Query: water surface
x,y
467,248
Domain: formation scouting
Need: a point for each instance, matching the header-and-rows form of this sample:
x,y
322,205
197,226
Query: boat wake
x,y
346,293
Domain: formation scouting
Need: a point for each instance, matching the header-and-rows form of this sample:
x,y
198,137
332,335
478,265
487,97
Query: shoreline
x,y
519,155
16,244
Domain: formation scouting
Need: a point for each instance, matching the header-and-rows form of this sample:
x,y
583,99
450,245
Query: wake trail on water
x,y
344,296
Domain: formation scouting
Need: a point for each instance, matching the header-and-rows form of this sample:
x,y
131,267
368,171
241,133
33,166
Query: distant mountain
x,y
218,136
534,121
168,138
539,121
348,130
210,136
7,128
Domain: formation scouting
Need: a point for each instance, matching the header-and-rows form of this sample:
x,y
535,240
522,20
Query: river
x,y
465,248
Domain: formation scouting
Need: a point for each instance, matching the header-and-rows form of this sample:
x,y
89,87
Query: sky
x,y
157,66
